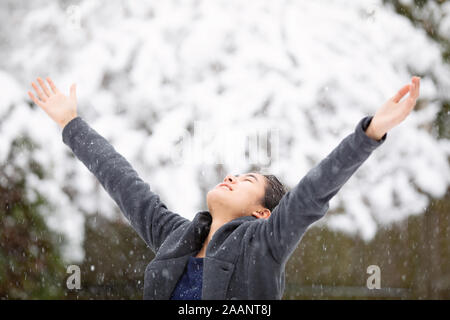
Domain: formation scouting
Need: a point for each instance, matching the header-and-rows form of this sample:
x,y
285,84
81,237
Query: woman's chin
x,y
213,193
216,195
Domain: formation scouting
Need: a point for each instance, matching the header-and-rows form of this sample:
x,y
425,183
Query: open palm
x,y
59,107
394,111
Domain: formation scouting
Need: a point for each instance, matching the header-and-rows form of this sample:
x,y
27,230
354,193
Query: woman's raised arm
x,y
142,207
309,200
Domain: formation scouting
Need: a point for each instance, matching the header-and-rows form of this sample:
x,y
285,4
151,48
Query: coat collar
x,y
202,224
221,255
161,275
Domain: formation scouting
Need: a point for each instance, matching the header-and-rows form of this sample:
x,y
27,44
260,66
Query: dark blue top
x,y
189,287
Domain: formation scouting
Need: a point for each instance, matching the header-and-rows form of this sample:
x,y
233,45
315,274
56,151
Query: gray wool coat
x,y
246,257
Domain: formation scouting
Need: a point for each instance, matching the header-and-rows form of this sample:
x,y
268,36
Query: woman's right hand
x,y
59,107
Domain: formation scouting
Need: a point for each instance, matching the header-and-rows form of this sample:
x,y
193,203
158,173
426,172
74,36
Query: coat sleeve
x,y
143,208
309,200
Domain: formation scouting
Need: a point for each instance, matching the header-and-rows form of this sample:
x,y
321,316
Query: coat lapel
x,y
220,260
164,271
216,278
161,277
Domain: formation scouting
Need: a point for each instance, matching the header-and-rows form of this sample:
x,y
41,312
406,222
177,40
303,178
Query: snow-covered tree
x,y
149,72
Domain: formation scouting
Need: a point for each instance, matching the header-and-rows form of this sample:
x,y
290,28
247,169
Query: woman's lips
x,y
225,185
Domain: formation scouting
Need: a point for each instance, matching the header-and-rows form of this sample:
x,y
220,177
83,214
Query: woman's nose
x,y
229,178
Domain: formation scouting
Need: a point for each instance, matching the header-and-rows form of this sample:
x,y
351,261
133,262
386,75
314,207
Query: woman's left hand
x,y
392,112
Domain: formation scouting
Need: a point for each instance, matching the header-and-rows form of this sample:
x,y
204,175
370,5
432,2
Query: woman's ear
x,y
261,213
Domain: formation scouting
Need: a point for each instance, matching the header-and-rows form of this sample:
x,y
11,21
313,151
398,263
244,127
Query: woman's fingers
x,y
39,93
413,89
416,87
410,103
44,86
35,100
401,93
52,85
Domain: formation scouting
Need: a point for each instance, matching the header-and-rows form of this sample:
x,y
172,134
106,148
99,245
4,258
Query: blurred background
x,y
147,71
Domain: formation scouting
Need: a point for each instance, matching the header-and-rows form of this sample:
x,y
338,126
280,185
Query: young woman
x,y
237,249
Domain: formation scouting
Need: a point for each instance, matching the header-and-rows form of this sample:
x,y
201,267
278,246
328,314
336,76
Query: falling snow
x,y
142,81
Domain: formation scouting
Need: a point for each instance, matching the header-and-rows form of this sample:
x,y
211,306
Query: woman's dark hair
x,y
274,191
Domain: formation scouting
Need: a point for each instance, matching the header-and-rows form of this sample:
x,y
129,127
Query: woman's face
x,y
238,195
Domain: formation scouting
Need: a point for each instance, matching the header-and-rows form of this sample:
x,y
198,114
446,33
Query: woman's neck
x,y
215,225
